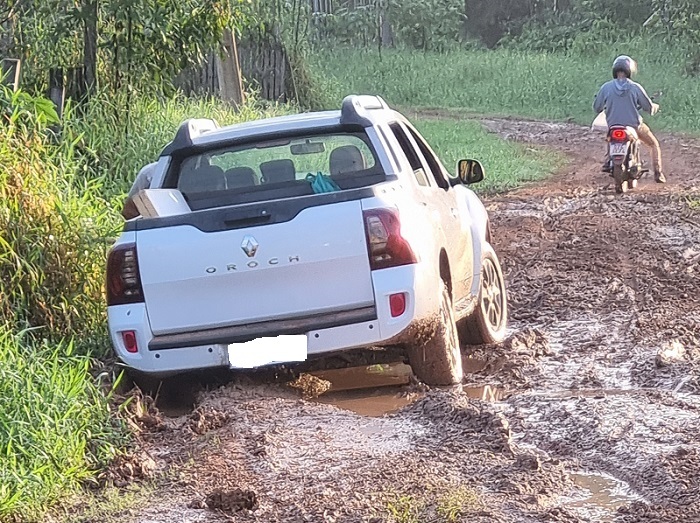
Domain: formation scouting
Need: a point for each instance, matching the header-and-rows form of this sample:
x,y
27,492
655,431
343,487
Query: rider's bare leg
x,y
648,138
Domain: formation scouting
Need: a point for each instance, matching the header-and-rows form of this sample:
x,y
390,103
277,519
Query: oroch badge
x,y
249,246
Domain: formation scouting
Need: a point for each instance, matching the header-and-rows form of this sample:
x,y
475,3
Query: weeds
x,y
405,509
455,504
693,203
448,504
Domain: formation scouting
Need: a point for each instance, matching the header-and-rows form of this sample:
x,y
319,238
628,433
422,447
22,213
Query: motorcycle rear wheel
x,y
621,185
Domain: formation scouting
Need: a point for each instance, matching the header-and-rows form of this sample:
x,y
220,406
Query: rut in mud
x,y
597,412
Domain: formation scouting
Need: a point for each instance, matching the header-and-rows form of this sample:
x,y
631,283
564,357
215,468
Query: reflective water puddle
x,y
369,403
602,495
376,390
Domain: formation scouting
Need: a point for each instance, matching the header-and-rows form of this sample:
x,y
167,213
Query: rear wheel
x,y
620,182
439,360
487,324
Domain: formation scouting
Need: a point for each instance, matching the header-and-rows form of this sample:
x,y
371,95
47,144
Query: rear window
x,y
272,169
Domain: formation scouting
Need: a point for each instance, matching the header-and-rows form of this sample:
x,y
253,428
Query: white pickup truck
x,y
340,228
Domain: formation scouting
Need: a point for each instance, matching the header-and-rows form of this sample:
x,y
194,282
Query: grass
x,y
60,204
55,425
108,505
516,83
507,164
439,505
693,203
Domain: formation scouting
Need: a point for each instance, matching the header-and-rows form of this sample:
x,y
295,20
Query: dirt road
x,y
597,412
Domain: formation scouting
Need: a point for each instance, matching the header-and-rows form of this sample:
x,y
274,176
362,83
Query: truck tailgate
x,y
316,263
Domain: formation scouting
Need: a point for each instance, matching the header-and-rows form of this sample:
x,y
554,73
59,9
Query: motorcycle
x,y
624,159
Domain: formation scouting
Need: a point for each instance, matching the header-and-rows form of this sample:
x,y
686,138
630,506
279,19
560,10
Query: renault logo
x,y
249,246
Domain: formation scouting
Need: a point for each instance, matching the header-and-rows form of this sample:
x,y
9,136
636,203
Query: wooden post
x,y
9,72
57,89
90,44
230,79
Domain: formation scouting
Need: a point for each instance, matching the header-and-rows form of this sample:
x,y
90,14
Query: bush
x,y
54,232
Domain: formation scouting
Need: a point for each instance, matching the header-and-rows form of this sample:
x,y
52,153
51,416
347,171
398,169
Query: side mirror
x,y
470,171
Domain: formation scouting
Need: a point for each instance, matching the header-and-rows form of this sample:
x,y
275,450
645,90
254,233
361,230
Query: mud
x,y
588,412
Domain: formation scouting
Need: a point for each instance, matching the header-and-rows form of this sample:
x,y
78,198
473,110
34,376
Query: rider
x,y
621,98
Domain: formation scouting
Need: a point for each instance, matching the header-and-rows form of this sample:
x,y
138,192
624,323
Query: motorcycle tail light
x,y
618,135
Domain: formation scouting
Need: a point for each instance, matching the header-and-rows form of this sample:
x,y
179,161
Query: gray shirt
x,y
621,99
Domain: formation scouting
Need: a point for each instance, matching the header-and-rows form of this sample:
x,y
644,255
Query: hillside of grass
x,y
556,86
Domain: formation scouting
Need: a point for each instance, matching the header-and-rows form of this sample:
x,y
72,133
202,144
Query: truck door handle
x,y
246,221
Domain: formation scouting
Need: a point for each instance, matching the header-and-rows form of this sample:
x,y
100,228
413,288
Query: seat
x,y
203,179
346,159
240,177
278,171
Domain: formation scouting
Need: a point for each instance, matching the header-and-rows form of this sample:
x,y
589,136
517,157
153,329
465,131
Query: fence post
x,y
230,81
9,72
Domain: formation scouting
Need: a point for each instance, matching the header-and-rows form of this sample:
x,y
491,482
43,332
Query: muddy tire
x,y
487,324
439,360
620,182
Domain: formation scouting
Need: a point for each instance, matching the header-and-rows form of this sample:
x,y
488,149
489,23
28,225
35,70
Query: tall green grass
x,y
55,425
507,164
509,82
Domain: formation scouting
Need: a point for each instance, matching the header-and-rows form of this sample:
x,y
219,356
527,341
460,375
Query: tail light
x,y
387,248
618,135
397,304
123,278
130,343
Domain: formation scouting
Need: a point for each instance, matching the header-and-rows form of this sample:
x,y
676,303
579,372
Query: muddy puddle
x,y
601,495
384,401
381,389
371,403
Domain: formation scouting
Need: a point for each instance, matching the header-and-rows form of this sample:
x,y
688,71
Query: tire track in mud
x,y
601,375
617,293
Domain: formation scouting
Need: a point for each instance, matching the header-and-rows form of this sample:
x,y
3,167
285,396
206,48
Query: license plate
x,y
267,351
617,149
